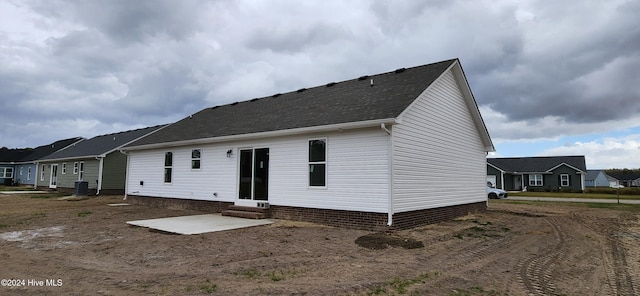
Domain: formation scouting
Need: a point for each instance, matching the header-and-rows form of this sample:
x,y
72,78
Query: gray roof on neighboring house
x,y
42,151
31,154
537,164
100,145
376,97
592,174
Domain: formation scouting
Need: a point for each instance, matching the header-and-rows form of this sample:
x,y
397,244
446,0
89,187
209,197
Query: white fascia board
x,y
495,167
278,133
579,171
458,73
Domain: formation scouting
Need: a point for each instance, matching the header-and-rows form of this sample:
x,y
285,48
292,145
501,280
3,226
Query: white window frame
x,y
81,171
63,169
310,163
29,173
42,173
4,173
198,159
165,167
75,168
563,180
21,170
533,180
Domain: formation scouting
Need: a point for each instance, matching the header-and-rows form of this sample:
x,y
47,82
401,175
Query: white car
x,y
495,193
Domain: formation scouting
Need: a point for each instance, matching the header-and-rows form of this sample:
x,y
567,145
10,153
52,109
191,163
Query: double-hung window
x,y
6,172
564,180
168,166
29,173
81,171
318,163
75,168
195,159
42,173
64,168
535,180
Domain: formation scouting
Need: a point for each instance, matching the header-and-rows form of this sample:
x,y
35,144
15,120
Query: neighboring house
x,y
397,149
8,159
26,168
625,177
599,178
96,161
547,173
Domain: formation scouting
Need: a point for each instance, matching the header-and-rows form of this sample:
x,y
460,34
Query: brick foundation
x,y
375,221
179,203
338,218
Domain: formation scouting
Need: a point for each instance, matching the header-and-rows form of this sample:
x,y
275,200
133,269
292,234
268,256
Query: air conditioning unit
x,y
264,205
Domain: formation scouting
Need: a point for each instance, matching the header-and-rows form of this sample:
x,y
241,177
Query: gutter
x,y
390,155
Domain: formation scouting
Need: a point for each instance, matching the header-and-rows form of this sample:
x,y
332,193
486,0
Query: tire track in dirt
x,y
621,278
536,272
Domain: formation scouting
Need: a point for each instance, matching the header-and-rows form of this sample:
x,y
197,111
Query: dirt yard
x,y
85,247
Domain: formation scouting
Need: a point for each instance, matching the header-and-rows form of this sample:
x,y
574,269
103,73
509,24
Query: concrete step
x,y
244,214
247,209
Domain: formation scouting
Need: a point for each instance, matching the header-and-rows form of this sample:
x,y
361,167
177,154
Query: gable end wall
x,y
438,156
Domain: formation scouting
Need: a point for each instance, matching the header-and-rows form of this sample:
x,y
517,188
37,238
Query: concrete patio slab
x,y
198,224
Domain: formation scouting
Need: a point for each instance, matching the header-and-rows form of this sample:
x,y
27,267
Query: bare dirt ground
x,y
86,248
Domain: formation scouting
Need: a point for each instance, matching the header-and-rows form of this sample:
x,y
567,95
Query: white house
x,y
392,150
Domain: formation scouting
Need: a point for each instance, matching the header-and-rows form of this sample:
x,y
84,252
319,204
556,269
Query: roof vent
x,y
301,90
363,77
399,70
276,95
330,84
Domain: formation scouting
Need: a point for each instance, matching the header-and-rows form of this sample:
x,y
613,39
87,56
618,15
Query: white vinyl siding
x,y
357,177
439,158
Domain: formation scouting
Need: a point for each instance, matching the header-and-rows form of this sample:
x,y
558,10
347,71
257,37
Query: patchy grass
x,y
249,273
84,213
475,291
612,206
48,195
208,287
574,195
481,230
274,275
16,188
402,286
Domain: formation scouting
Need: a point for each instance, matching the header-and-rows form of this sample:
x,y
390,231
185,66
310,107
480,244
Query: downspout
x,y
101,159
390,155
126,175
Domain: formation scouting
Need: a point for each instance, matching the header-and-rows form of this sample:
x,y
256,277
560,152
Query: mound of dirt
x,y
379,241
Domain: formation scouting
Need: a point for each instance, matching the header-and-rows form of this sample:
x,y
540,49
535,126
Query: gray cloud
x,y
109,66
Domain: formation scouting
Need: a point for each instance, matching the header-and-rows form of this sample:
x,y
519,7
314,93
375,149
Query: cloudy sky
x,y
550,77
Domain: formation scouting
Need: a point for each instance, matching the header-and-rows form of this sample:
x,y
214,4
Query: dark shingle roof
x,y
348,101
13,155
624,174
537,164
100,144
44,150
31,154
